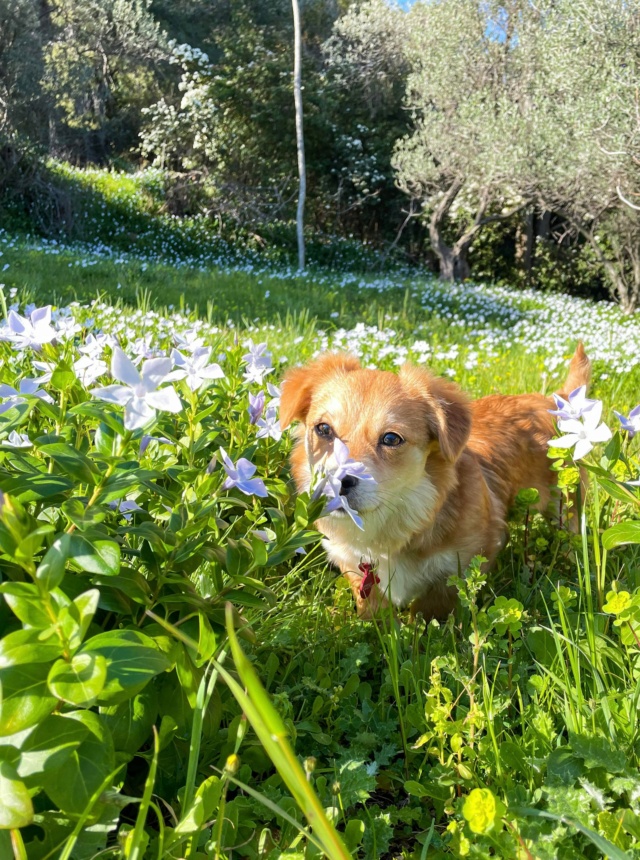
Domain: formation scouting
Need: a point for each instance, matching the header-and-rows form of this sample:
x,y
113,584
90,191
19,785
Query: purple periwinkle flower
x,y
577,404
339,465
241,475
630,424
126,508
140,394
147,440
256,406
275,393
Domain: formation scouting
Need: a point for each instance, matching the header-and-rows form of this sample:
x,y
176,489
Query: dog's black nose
x,y
347,483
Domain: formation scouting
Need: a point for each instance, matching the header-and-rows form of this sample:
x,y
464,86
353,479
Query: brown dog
x,y
447,471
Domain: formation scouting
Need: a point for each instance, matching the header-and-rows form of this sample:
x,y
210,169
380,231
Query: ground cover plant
x,y
147,514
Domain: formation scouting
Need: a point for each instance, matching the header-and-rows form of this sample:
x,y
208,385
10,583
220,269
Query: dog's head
x,y
393,423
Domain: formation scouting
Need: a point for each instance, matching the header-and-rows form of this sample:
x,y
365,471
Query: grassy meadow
x,y
135,723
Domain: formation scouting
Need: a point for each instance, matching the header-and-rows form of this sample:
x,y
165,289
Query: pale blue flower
x,y
630,424
582,435
32,330
140,394
269,426
195,368
241,475
256,406
577,405
18,440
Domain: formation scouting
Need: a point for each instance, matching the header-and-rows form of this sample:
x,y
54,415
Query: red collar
x,y
369,578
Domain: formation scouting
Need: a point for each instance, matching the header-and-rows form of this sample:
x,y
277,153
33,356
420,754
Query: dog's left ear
x,y
447,409
300,383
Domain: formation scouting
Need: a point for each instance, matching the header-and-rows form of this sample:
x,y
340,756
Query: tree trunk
x,y
443,252
297,95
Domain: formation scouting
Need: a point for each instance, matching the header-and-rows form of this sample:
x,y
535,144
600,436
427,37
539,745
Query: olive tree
x,y
585,165
467,96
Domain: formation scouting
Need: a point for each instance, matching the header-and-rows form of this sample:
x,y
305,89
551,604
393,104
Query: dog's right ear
x,y
300,383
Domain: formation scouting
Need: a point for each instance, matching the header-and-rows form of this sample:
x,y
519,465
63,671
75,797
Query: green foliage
x,y
127,722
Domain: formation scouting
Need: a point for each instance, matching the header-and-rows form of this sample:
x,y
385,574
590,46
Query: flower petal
x,y
583,446
138,414
120,394
564,441
165,399
123,369
154,371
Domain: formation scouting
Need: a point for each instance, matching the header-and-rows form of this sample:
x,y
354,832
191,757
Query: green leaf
x,y
618,491
16,809
563,768
76,617
416,789
98,556
132,661
77,512
597,752
622,533
63,377
25,699
36,486
49,745
26,603
72,785
203,807
72,462
80,681
24,646
51,569
130,722
612,852
101,412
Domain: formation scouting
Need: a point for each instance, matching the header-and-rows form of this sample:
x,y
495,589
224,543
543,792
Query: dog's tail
x,y
579,372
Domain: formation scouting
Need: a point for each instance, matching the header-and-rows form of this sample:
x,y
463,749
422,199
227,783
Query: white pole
x,y
297,95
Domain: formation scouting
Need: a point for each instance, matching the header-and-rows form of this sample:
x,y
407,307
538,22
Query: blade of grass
x,y
136,848
271,731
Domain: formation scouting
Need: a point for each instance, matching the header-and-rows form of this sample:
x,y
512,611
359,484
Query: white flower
x,y
576,406
189,340
33,330
12,396
88,369
275,393
18,440
582,434
258,362
269,425
195,368
139,394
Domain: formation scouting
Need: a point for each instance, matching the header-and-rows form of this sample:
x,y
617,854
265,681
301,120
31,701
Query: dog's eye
x,y
391,440
324,430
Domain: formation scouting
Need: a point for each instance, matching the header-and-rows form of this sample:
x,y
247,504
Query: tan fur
x,y
441,497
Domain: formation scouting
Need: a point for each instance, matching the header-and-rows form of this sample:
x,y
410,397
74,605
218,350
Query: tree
x,y
584,165
466,94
